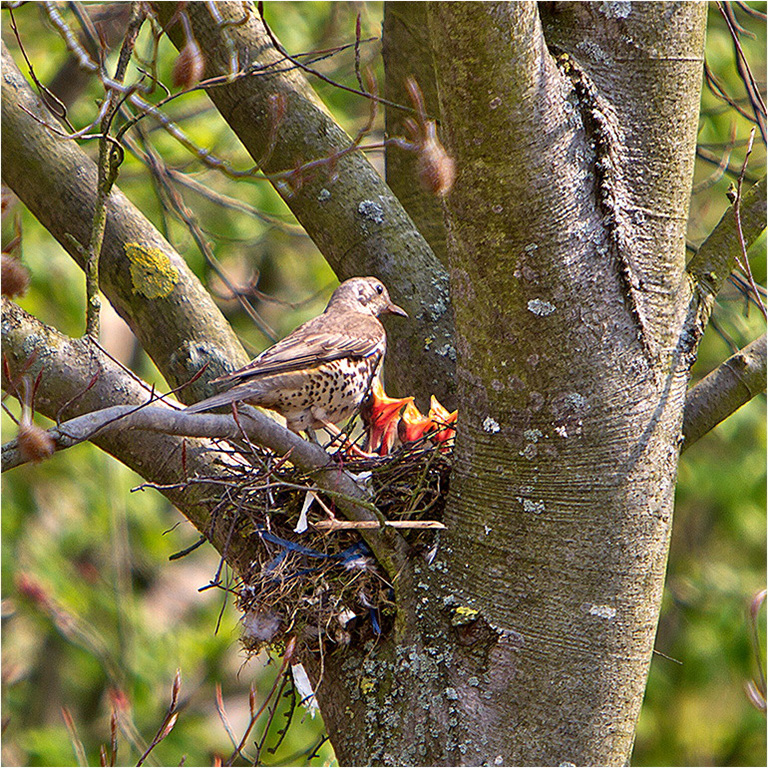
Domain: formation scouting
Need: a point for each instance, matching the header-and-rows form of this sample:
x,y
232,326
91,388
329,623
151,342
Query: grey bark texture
x,y
566,253
724,390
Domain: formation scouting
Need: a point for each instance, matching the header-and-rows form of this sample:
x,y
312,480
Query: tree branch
x,y
407,52
347,209
143,277
717,256
76,377
723,391
67,368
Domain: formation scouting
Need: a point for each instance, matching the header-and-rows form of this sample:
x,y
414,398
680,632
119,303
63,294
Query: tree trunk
x,y
566,252
528,639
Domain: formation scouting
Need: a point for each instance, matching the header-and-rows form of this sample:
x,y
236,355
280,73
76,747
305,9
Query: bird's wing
x,y
317,341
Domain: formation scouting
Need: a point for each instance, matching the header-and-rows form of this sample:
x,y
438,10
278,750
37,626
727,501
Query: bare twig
x,y
350,525
255,715
756,689
719,172
233,203
225,719
719,90
168,721
750,11
49,98
77,743
110,158
714,158
159,172
753,92
306,68
714,261
743,259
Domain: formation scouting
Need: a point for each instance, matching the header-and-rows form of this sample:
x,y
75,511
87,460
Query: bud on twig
x,y
175,690
169,726
35,443
190,65
436,167
14,279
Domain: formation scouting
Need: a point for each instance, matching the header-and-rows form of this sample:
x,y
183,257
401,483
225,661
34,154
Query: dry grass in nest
x,y
322,584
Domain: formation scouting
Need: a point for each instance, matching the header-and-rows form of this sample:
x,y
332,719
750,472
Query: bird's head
x,y
364,294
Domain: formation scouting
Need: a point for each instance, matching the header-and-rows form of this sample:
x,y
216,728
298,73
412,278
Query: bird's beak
x,y
393,309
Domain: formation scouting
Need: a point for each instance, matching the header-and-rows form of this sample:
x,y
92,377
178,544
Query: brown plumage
x,y
320,373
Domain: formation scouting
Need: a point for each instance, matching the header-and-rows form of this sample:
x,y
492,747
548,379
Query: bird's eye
x,y
379,288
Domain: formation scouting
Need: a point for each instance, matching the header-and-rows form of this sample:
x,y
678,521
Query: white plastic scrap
x,y
304,688
302,523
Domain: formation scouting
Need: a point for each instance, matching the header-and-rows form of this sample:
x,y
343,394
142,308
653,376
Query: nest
x,y
323,583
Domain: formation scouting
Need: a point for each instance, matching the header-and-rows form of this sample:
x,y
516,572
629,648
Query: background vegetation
x,y
94,614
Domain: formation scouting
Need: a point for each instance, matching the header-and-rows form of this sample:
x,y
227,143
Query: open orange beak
x,y
413,424
384,416
442,418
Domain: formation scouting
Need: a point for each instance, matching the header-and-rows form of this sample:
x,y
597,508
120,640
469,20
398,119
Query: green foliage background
x,y
93,611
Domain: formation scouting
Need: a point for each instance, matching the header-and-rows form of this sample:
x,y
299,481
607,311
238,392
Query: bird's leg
x,y
345,444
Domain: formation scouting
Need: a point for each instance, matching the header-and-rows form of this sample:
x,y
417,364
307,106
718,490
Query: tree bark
x,y
407,52
723,391
566,251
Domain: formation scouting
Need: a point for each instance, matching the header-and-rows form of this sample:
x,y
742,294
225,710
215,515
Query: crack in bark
x,y
605,136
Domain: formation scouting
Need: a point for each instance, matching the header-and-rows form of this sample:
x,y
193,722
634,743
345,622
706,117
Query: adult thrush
x,y
319,374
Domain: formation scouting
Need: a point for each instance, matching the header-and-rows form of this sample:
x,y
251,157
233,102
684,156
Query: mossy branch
x,y
76,377
110,158
142,276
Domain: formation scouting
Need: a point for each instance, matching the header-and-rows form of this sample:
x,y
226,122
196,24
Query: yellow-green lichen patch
x,y
152,274
464,615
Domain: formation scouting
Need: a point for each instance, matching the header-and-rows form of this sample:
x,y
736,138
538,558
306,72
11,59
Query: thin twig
x,y
224,718
110,159
743,260
350,525
755,98
158,169
719,172
306,68
77,743
168,721
280,678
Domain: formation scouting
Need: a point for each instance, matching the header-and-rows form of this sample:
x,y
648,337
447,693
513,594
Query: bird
x,y
320,373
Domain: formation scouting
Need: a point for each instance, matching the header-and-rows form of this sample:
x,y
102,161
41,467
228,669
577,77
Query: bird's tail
x,y
216,401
